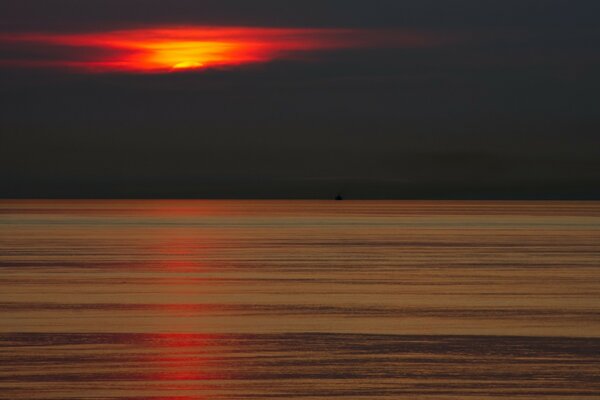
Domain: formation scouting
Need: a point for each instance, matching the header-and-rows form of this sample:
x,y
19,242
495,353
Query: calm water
x,y
186,300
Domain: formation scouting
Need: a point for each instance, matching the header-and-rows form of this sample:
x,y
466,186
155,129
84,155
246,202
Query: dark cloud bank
x,y
507,110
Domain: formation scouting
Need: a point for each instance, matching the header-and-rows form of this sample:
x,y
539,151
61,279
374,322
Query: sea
x,y
244,299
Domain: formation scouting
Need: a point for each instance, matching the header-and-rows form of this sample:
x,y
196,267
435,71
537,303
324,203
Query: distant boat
x,y
339,197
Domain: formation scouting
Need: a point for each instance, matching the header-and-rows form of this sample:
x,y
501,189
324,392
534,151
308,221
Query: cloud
x,y
165,49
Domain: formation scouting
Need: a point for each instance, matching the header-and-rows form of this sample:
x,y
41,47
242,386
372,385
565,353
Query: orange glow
x,y
189,48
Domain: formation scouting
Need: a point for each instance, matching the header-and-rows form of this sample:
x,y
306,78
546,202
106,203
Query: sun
x,y
184,54
188,65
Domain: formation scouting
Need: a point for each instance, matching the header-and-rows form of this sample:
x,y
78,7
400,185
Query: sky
x,y
300,99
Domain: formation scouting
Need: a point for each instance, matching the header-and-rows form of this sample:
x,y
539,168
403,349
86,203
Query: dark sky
x,y
505,105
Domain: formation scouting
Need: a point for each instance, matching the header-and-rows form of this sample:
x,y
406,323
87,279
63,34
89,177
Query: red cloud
x,y
180,48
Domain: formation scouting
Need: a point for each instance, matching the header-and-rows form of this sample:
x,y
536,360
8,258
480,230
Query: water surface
x,y
299,300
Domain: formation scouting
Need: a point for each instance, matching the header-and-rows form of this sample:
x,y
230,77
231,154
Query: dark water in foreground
x,y
299,300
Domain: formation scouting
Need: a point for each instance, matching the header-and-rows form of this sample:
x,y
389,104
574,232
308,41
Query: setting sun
x,y
186,54
188,65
